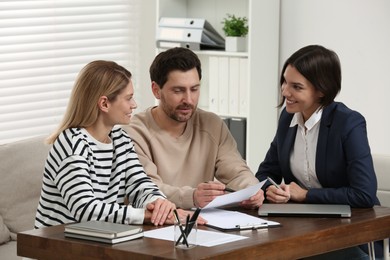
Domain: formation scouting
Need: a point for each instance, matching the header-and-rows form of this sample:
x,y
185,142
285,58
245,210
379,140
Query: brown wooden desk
x,y
298,237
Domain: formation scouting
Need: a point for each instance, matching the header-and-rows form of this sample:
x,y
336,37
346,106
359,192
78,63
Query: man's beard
x,y
177,116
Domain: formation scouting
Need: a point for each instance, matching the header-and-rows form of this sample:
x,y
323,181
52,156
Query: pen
x,y
252,226
229,190
183,234
186,228
192,222
273,182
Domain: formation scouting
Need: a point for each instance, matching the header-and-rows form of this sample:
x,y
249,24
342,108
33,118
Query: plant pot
x,y
235,44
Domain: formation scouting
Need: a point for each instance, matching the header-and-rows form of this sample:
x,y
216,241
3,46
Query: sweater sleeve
x,y
230,168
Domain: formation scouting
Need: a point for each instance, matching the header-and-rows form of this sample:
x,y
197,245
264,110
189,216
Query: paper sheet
x,y
204,237
235,197
232,220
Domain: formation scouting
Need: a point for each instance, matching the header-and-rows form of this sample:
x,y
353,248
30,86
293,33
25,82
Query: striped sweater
x,y
87,180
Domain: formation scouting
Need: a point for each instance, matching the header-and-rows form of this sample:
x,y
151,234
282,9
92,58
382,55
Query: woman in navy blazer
x,y
320,149
343,161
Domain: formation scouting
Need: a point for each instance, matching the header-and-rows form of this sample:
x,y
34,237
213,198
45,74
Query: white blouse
x,y
303,154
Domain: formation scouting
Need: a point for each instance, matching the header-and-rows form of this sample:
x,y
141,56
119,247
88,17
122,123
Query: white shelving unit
x,y
261,59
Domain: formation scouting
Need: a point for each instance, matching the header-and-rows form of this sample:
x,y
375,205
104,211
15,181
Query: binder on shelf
x,y
195,23
237,127
192,33
226,120
244,88
234,85
213,84
223,85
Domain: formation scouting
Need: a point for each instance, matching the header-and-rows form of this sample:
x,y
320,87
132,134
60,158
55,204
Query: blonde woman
x,y
92,171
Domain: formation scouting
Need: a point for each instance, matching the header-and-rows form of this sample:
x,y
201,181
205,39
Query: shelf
x,y
220,53
256,84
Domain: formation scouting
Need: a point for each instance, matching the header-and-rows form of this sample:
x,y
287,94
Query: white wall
x,y
143,91
359,32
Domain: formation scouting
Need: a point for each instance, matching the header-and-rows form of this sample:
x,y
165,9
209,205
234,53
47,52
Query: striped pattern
x,y
88,180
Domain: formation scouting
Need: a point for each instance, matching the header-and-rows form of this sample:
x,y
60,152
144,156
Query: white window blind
x,y
43,46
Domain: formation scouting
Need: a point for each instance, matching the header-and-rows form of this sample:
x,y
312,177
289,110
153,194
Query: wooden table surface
x,y
297,237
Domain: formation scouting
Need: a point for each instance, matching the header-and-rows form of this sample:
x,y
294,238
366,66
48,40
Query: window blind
x,y
43,46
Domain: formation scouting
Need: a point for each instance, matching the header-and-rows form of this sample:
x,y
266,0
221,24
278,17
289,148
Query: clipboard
x,y
226,220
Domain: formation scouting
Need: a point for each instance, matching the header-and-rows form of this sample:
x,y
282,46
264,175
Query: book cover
x,y
102,229
105,240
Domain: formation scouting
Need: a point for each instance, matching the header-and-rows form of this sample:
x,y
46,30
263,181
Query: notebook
x,y
294,209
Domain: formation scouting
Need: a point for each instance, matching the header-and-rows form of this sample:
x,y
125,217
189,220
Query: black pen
x,y
192,221
183,234
186,228
229,190
273,182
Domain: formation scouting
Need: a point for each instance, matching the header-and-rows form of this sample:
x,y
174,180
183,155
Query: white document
x,y
204,237
226,220
235,197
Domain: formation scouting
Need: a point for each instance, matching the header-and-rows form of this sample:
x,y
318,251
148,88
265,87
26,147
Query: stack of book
x,y
105,232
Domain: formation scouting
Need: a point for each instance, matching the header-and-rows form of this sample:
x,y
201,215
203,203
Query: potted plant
x,y
235,29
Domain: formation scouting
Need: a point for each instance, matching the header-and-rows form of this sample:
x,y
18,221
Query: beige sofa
x,y
382,170
21,171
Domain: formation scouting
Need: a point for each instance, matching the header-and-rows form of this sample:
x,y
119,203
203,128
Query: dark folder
x,y
237,127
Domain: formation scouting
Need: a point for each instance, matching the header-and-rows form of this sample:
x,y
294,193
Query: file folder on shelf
x,y
237,127
195,34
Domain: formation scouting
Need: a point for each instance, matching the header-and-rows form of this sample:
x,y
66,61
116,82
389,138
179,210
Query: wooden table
x,y
297,237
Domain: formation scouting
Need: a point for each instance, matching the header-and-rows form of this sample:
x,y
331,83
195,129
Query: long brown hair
x,y
96,79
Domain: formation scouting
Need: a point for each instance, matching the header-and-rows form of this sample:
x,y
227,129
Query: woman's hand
x,y
182,214
292,192
297,193
277,195
159,211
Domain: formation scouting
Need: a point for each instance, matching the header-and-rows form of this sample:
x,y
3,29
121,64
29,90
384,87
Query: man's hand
x,y
255,201
206,192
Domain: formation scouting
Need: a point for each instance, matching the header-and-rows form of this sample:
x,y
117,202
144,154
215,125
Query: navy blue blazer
x,y
344,165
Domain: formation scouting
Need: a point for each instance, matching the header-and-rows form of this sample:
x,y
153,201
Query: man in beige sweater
x,y
183,148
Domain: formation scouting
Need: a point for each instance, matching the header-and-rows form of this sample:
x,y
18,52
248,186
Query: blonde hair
x,y
96,79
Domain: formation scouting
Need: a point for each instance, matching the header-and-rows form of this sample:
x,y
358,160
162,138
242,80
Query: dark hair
x,y
321,67
177,58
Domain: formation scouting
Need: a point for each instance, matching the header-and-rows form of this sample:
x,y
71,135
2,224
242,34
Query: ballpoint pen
x,y
192,222
252,226
229,190
273,182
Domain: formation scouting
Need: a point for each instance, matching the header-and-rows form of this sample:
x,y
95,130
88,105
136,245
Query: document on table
x,y
235,197
227,220
204,237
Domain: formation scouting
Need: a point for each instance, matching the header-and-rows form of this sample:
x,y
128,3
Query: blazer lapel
x,y
323,136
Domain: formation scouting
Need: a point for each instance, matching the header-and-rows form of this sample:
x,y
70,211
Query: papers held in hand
x,y
105,232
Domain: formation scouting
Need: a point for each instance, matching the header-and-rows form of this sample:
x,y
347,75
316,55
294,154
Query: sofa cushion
x,y
21,171
4,232
382,170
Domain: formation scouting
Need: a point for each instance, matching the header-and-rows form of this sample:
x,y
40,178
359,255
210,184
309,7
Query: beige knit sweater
x,y
206,150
